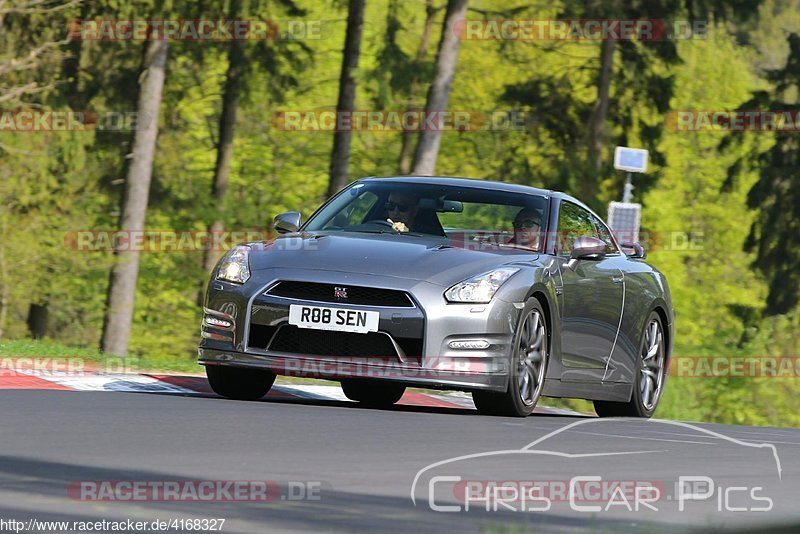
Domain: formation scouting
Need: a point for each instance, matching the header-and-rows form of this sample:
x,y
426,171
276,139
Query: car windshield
x,y
471,215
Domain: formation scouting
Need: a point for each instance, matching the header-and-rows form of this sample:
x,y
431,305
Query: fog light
x,y
474,344
213,321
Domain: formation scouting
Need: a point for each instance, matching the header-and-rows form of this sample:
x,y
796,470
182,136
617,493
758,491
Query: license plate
x,y
339,319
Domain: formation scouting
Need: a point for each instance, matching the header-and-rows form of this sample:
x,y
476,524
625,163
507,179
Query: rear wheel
x,y
238,382
527,371
372,393
649,383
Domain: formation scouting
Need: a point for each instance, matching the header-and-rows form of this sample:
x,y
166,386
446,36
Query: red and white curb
x,y
194,385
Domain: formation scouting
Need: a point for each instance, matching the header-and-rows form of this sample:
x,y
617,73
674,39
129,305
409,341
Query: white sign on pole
x,y
630,159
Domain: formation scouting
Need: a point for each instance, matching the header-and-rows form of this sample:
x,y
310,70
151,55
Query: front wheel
x,y
649,382
375,394
239,383
527,371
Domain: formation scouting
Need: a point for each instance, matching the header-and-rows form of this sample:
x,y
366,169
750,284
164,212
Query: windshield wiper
x,y
520,247
366,231
388,231
416,234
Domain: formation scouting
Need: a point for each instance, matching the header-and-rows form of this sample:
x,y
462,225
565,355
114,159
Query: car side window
x,y
573,222
605,236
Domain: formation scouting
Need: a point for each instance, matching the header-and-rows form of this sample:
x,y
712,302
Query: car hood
x,y
433,259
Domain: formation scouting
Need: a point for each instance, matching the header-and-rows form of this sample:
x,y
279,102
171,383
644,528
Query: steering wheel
x,y
381,222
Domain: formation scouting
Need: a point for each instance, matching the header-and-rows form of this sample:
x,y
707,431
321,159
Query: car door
x,y
591,298
624,353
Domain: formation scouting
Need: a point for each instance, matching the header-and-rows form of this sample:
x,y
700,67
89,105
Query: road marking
x,y
186,385
313,392
28,382
194,385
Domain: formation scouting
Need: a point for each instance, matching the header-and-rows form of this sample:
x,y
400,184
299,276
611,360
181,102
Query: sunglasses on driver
x,y
392,206
526,224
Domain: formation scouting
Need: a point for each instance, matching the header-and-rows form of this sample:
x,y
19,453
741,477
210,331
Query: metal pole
x,y
627,193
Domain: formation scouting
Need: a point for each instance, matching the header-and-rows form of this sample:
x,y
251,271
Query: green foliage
x,y
775,233
696,229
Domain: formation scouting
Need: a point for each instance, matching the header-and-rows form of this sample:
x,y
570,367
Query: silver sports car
x,y
506,291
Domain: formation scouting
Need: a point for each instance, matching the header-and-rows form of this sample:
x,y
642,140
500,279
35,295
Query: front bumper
x,y
338,368
432,321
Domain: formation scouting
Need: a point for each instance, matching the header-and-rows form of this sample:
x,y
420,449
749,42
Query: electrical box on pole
x,y
625,217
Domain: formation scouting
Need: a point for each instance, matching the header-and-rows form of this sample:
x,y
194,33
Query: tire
x,y
527,369
372,393
239,383
650,376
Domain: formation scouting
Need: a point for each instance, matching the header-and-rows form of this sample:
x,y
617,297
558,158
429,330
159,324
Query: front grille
x,y
311,342
367,296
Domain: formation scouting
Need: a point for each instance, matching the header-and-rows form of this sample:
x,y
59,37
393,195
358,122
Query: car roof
x,y
477,183
463,182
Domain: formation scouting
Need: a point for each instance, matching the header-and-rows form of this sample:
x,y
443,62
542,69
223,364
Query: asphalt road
x,y
358,465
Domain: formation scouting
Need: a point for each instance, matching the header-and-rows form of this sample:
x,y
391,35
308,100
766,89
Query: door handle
x,y
617,279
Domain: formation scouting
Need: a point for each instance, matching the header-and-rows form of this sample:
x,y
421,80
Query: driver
x,y
527,228
402,208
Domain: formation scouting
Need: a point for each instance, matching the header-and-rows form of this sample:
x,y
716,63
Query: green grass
x,y
29,348
94,359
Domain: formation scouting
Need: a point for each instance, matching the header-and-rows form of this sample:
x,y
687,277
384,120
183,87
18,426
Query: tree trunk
x,y
597,122
122,285
340,157
439,92
71,68
407,148
227,130
37,320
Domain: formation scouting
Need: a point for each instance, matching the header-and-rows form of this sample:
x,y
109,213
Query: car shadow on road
x,y
397,408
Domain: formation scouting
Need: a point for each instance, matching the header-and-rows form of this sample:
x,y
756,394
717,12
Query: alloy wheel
x,y
531,357
652,370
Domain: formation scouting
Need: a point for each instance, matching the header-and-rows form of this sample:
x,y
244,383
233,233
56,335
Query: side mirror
x,y
288,222
634,250
586,248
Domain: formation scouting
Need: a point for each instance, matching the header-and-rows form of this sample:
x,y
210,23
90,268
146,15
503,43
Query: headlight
x,y
235,266
479,289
